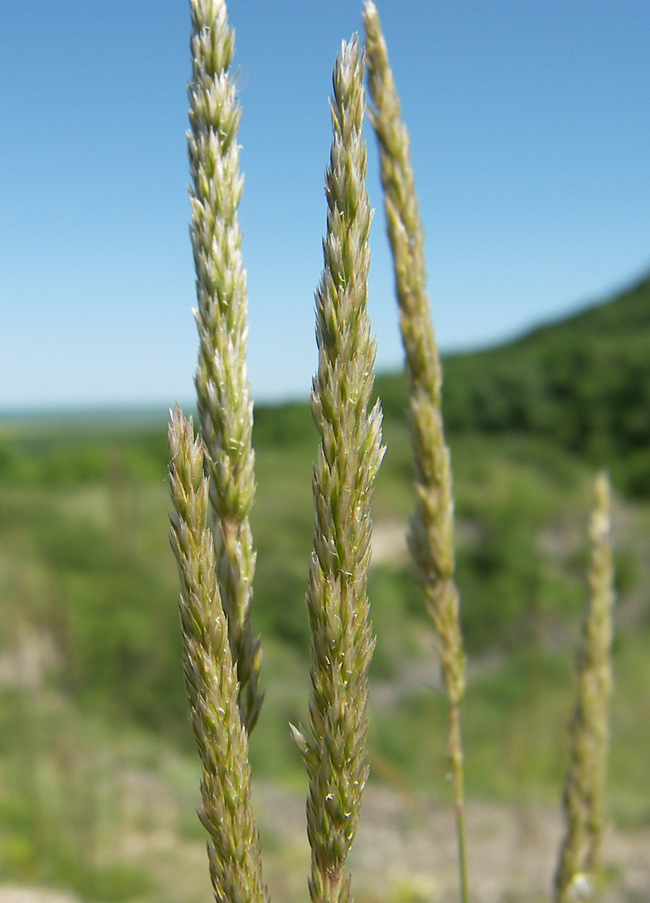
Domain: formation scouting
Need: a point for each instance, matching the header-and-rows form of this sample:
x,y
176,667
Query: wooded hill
x,y
583,382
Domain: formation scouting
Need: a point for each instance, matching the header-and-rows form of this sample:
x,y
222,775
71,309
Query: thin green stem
x,y
455,752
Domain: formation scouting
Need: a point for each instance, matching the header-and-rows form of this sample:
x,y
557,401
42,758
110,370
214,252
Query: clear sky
x,y
530,129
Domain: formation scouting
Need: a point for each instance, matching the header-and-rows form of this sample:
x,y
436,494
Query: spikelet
x,y
584,807
350,452
222,386
211,681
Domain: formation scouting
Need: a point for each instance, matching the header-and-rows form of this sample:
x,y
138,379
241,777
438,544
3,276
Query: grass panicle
x,y
211,681
349,456
222,386
431,538
580,856
211,535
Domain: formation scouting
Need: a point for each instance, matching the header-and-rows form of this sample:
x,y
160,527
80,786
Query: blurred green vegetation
x,y
89,633
583,384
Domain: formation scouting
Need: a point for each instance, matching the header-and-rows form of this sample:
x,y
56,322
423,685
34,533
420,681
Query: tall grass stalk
x,y
580,856
431,538
222,386
211,681
350,452
211,534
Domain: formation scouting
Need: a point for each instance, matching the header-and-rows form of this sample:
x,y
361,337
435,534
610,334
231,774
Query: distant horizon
x,y
108,409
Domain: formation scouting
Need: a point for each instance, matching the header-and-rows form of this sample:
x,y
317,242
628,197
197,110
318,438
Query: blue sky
x,y
530,129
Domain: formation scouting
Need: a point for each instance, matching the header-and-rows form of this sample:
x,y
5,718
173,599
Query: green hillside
x,y
88,595
583,383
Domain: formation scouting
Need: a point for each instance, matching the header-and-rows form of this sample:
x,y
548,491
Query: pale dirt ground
x,y
14,894
406,848
389,542
404,853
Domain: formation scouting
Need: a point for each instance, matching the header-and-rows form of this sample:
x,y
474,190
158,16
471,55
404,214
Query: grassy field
x,y
94,740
